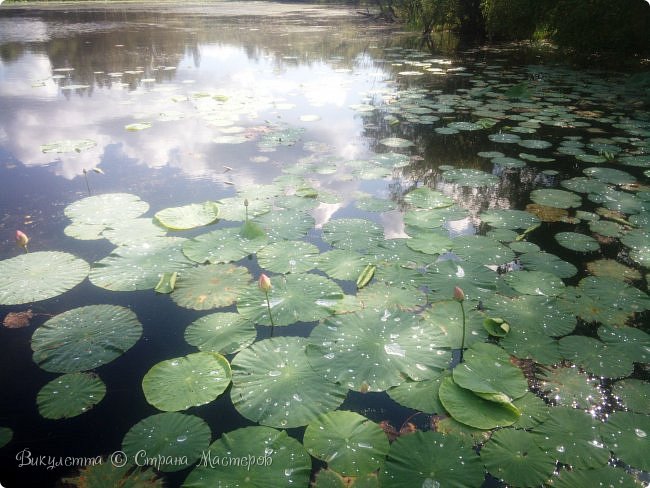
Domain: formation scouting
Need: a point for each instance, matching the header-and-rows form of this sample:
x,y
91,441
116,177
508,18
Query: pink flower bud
x,y
264,283
21,239
459,294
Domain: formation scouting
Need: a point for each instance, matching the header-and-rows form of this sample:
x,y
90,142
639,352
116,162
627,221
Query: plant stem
x,y
87,184
462,341
268,306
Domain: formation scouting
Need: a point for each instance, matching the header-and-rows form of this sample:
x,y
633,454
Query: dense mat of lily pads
x,y
529,391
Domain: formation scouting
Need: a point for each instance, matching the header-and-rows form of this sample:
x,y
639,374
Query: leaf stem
x,y
462,342
268,306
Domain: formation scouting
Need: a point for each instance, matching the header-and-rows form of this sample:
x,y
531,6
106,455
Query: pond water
x,y
209,143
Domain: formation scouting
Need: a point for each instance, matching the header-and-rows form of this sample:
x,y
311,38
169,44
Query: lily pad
x,y
445,316
611,268
233,208
68,146
555,198
513,456
509,219
37,276
420,395
130,232
352,234
210,286
470,177
396,142
222,246
533,313
274,385
430,459
481,250
70,395
341,265
372,351
595,356
300,297
381,296
626,434
6,434
430,242
634,394
263,456
427,199
567,386
348,442
548,263
285,224
288,257
172,441
606,476
188,381
188,216
225,333
107,209
85,338
535,283
577,242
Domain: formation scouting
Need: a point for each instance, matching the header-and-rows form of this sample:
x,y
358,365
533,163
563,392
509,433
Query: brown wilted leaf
x,y
17,320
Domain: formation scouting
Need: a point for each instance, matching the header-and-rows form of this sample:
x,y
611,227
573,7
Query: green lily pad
x,y
534,144
620,201
577,242
610,268
595,356
172,441
68,146
293,298
534,411
524,343
263,456
605,476
470,177
85,338
6,434
130,232
513,456
548,263
555,198
533,313
37,276
477,281
288,257
426,198
222,246
341,265
468,408
188,216
352,234
373,204
567,386
107,210
70,395
583,184
430,459
139,267
626,434
381,296
504,138
638,240
348,442
430,242
535,283
188,381
509,219
481,250
396,142
572,437
445,317
274,385
432,218
210,286
225,333
233,208
610,175
285,224
419,395
606,228
372,351
634,394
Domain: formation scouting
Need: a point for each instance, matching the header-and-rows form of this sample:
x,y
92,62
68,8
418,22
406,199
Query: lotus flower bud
x,y
459,294
21,239
264,283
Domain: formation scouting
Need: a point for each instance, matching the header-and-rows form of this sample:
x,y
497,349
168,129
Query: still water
x,y
226,101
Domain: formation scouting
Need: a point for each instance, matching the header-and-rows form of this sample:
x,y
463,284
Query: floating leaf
x,y
37,276
626,434
445,317
188,381
341,265
555,198
610,268
533,313
496,326
569,387
70,395
470,177
419,395
85,338
222,246
274,385
382,297
68,146
548,263
285,224
225,333
577,242
188,216
535,283
606,476
634,394
395,142
171,440
481,250
431,242
348,442
106,474
6,434
167,282
352,234
233,208
128,232
288,257
509,219
426,198
595,356
210,286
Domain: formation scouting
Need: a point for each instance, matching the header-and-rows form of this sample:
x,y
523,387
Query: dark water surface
x,y
213,80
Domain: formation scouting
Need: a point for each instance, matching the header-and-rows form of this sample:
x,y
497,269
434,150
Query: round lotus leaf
x,y
373,204
131,232
524,247
513,456
633,394
535,283
6,434
188,216
85,338
85,232
572,437
172,440
595,356
626,434
391,159
567,386
396,252
481,250
487,369
631,342
395,142
36,276
546,213
532,344
70,395
430,459
432,218
371,351
470,409
419,395
534,144
262,456
548,263
533,313
426,198
288,257
610,175
382,296
107,209
210,286
188,381
349,443
610,268
504,138
508,162
555,198
139,267
534,411
301,297
477,281
222,246
639,241
606,228
446,317
605,476
233,208
470,177
225,333
274,385
68,146
502,235
620,201
286,224
430,242
341,265
583,184
509,219
352,234
577,242
106,474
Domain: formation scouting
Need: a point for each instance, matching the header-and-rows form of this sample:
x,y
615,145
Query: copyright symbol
x,y
119,459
